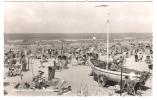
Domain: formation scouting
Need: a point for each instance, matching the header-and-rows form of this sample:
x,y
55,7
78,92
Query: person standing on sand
x,y
12,60
140,55
73,60
51,70
23,63
136,57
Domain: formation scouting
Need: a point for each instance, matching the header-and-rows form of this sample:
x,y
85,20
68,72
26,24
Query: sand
x,y
77,76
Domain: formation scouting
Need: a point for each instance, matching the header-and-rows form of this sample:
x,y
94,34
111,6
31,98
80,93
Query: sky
x,y
77,17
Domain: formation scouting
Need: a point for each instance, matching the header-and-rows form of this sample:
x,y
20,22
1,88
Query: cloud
x,y
77,17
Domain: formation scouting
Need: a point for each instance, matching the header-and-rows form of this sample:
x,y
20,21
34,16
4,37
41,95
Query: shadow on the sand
x,y
111,83
145,88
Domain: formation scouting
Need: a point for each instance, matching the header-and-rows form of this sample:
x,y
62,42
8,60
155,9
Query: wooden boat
x,y
103,74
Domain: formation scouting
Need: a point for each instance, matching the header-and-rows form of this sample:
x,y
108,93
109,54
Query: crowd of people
x,y
117,54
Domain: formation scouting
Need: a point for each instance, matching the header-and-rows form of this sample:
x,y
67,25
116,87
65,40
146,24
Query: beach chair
x,y
130,87
62,87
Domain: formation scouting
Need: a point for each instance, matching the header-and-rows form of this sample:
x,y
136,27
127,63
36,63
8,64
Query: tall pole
x,y
108,38
108,31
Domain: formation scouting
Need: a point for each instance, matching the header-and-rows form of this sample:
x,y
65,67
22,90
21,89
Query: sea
x,y
74,36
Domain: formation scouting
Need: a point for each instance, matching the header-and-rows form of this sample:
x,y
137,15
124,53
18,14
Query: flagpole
x,y
108,31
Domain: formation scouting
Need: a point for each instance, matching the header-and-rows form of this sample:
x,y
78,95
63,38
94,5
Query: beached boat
x,y
102,74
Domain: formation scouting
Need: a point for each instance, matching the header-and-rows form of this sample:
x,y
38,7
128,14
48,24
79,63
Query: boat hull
x,y
109,74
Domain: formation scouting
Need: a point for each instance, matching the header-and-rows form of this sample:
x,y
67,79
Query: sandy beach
x,y
77,76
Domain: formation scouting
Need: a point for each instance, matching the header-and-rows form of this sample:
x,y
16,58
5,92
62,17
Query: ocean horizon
x,y
73,36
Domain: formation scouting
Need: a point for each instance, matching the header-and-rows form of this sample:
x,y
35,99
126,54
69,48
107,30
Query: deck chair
x,y
130,86
62,87
143,79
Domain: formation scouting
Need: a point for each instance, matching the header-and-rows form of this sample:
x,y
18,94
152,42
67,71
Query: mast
x,y
108,38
